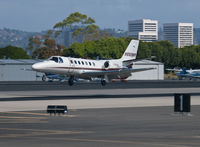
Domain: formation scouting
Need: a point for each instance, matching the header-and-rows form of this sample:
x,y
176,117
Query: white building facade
x,y
155,74
144,29
180,34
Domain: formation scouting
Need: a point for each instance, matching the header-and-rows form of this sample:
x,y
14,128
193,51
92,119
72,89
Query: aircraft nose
x,y
36,66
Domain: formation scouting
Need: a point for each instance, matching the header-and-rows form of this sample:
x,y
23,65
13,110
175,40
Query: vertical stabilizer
x,y
131,51
183,71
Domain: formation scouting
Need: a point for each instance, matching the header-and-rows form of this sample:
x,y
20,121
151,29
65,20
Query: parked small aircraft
x,y
189,74
88,69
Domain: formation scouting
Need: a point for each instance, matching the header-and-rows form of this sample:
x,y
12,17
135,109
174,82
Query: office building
x,y
144,29
180,34
197,36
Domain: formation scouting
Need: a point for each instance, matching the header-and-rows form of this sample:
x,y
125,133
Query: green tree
x,y
104,48
49,48
13,52
113,48
34,43
144,50
44,46
82,25
190,56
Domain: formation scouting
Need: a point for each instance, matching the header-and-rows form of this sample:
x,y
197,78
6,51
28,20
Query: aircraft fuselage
x,y
77,66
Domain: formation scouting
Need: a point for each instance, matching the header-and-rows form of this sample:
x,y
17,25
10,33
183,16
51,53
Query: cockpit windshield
x,y
56,59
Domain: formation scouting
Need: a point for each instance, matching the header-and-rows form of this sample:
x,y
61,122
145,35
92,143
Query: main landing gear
x,y
71,81
103,82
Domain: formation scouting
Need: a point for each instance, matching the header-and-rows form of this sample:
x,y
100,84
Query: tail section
x,y
131,51
183,71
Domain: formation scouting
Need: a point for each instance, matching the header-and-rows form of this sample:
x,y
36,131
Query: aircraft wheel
x,y
44,78
71,81
103,82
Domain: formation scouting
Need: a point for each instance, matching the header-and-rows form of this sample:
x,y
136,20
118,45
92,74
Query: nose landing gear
x,y
103,82
71,81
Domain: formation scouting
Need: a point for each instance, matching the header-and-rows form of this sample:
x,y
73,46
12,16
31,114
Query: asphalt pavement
x,y
38,85
133,113
123,127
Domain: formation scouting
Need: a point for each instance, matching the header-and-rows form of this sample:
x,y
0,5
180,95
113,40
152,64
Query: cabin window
x,y
54,59
90,63
79,62
75,61
86,63
71,61
93,63
82,62
60,60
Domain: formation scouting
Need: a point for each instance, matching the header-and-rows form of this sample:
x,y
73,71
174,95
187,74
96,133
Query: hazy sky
x,y
37,15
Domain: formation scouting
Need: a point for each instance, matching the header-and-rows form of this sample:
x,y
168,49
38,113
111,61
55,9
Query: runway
x,y
28,86
82,96
128,114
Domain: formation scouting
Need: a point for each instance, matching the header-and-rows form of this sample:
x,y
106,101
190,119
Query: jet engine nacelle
x,y
106,64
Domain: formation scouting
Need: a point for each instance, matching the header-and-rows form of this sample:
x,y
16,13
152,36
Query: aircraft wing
x,y
116,72
174,70
191,76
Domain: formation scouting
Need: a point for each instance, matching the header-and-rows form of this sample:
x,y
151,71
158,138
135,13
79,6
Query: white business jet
x,y
88,69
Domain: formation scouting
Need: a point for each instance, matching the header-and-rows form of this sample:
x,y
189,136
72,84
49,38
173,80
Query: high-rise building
x,y
160,34
180,34
197,36
144,29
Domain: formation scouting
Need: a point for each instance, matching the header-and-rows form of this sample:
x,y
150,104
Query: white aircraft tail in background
x,y
131,51
88,69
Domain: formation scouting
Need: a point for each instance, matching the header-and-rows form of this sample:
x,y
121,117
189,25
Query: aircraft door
x,y
71,65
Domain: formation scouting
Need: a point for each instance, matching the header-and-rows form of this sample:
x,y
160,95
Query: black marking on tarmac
x,y
91,97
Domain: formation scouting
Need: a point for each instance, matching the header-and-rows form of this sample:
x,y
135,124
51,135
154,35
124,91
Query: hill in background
x,y
15,37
